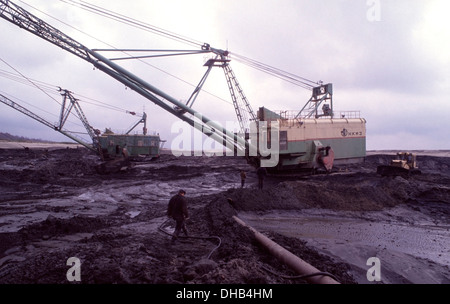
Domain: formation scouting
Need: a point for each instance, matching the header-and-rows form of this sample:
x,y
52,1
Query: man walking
x,y
243,177
177,210
261,172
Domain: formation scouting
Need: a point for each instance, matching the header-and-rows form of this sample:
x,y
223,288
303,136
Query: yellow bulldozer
x,y
405,164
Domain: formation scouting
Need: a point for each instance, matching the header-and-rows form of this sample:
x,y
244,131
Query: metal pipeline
x,y
288,258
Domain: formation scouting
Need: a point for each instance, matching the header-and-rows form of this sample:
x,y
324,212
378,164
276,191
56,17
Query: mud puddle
x,y
401,246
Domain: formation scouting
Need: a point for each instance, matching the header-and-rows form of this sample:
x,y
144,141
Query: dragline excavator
x,y
22,18
312,138
59,127
107,145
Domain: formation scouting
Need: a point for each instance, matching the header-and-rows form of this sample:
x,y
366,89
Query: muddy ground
x,y
53,206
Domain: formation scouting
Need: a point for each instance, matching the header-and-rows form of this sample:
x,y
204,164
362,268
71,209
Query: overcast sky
x,y
388,59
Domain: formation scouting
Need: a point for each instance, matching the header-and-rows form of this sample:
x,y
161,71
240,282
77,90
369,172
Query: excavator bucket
x,y
326,158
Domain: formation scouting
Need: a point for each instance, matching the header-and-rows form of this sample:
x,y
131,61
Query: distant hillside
x,y
9,137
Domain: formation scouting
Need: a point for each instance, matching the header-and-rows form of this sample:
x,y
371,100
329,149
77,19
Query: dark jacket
x,y
177,208
261,172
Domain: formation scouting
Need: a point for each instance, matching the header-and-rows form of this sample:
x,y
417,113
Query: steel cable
x,y
286,76
130,21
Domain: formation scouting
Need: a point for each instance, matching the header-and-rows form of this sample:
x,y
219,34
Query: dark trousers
x,y
242,183
180,225
260,182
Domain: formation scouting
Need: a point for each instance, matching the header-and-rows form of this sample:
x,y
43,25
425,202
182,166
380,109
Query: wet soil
x,y
53,206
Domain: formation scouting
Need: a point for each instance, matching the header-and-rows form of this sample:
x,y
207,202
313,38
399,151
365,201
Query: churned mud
x,y
54,206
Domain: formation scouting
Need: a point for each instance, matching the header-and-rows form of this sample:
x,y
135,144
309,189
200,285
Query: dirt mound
x,y
54,226
337,192
50,228
334,192
67,167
